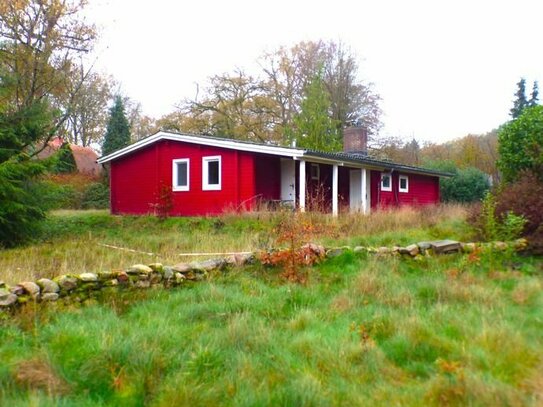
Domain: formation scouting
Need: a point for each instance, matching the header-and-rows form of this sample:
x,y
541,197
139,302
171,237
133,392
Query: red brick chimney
x,y
355,140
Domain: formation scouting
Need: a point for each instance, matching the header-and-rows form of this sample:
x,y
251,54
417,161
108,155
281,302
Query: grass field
x,y
363,330
71,240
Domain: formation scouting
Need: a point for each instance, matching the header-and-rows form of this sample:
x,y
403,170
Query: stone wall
x,y
141,276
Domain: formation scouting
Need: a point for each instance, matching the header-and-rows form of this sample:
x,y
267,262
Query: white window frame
x,y
317,175
176,187
406,178
205,172
389,175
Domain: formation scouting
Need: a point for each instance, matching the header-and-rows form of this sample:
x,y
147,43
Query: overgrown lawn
x,y
363,331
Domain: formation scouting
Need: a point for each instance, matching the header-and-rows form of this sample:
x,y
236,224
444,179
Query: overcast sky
x,y
443,69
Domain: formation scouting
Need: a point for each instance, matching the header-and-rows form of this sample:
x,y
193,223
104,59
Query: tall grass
x,y
71,241
362,331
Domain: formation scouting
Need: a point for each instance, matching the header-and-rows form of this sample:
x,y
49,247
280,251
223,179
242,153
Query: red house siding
x,y
138,177
267,177
423,190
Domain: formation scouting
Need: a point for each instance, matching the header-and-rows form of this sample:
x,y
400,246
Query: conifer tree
x,y
520,102
118,130
534,97
21,208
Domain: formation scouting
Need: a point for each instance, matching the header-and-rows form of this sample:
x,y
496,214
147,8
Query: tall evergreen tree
x,y
520,102
118,130
314,126
21,208
534,97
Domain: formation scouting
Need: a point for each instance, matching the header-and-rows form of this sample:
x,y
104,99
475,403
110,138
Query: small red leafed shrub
x,y
294,231
525,197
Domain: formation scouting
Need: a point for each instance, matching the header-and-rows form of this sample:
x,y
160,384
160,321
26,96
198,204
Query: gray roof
x,y
340,157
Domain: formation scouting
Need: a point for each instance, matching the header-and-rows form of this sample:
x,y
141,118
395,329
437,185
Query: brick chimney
x,y
355,140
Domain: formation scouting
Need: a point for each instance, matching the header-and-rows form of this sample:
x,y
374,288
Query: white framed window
x,y
386,182
404,183
315,172
211,173
181,174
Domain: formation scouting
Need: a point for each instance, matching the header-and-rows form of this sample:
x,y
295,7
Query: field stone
x,y
139,269
6,298
424,246
111,283
31,288
182,268
412,250
106,275
238,259
359,249
384,250
142,284
179,278
468,247
49,297
156,277
156,267
17,290
122,277
520,244
445,246
88,277
208,265
501,246
168,273
66,283
318,249
48,286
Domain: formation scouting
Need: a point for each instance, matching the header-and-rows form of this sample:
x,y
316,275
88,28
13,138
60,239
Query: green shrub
x,y
521,144
96,196
57,196
467,185
493,225
64,161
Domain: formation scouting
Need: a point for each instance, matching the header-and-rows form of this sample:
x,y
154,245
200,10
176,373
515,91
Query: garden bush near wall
x,y
74,191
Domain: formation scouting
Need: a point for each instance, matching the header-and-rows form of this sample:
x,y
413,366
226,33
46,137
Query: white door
x,y
288,180
355,197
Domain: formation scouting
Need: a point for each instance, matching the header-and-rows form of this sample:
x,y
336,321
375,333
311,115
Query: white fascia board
x,y
229,144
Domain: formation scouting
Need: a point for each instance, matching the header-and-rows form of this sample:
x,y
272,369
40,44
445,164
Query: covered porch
x,y
316,185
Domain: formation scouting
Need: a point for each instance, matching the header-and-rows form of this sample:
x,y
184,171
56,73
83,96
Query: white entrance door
x,y
288,180
355,197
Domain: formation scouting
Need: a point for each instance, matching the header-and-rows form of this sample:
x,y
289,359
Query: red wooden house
x,y
208,175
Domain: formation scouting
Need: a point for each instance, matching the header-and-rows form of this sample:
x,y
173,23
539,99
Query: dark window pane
x,y
213,172
403,183
386,181
182,180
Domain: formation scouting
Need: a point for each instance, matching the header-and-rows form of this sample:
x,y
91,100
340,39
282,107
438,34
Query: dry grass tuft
x,y
37,374
390,220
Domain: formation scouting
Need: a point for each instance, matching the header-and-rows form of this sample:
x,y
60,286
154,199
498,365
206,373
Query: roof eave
x,y
214,142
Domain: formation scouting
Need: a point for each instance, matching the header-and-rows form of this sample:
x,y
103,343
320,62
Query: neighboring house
x,y
84,157
209,175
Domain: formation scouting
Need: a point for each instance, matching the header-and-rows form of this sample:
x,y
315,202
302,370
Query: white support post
x,y
302,186
335,190
363,190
